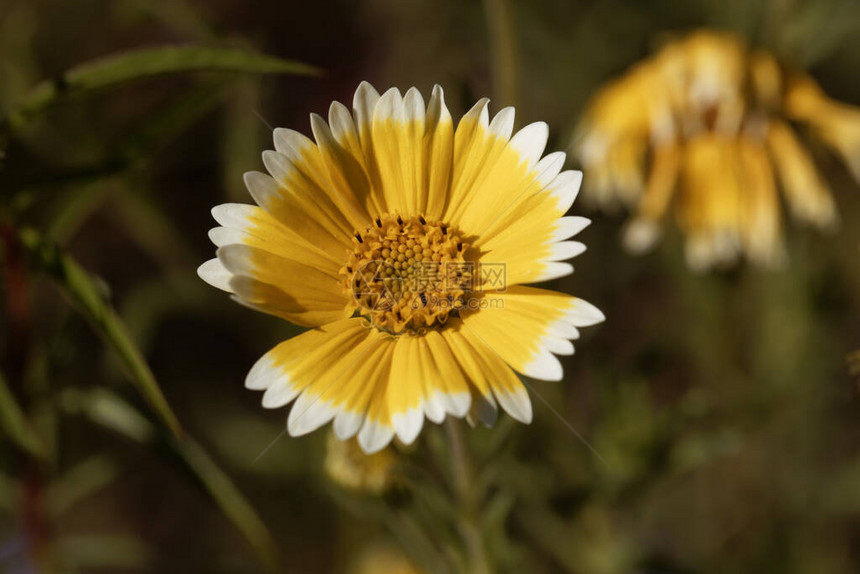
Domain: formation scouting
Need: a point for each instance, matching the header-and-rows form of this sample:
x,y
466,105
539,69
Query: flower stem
x,y
468,500
503,51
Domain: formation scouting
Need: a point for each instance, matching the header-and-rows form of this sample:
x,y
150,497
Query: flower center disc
x,y
407,274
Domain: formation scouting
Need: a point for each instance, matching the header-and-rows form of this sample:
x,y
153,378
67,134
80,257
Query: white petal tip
x,y
544,366
214,273
584,314
554,270
374,436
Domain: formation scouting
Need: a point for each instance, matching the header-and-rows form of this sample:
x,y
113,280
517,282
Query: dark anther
x,y
444,230
360,240
349,269
378,222
399,220
422,220
423,299
459,247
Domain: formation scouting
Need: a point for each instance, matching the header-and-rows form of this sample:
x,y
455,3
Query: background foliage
x,y
721,406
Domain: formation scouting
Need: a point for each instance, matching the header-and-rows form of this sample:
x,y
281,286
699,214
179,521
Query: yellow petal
x,y
348,184
283,287
493,177
710,207
525,326
761,228
363,104
298,208
398,131
438,154
530,241
252,226
643,231
333,372
807,194
488,375
425,381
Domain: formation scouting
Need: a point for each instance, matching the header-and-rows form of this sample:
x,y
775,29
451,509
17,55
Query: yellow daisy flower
x,y
704,125
406,246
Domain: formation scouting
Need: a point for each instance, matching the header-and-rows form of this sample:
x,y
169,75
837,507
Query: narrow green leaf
x,y
110,411
14,423
148,62
81,289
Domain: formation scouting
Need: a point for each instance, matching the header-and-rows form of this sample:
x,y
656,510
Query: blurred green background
x,y
721,405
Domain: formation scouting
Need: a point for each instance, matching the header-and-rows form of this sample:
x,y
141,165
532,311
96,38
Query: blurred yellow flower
x,y
406,246
382,558
703,126
350,467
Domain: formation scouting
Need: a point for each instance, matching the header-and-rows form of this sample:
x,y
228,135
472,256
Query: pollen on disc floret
x,y
408,274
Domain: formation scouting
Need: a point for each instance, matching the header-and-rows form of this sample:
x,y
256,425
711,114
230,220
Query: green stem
x,y
503,50
468,500
76,283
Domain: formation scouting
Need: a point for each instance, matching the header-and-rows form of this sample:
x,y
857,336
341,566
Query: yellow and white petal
x,y
347,178
284,287
493,177
291,366
425,381
641,234
502,125
344,130
298,211
472,149
525,326
530,142
373,372
325,178
808,196
761,231
397,132
531,241
252,226
490,377
363,105
214,273
438,154
564,189
329,371
406,389
480,379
